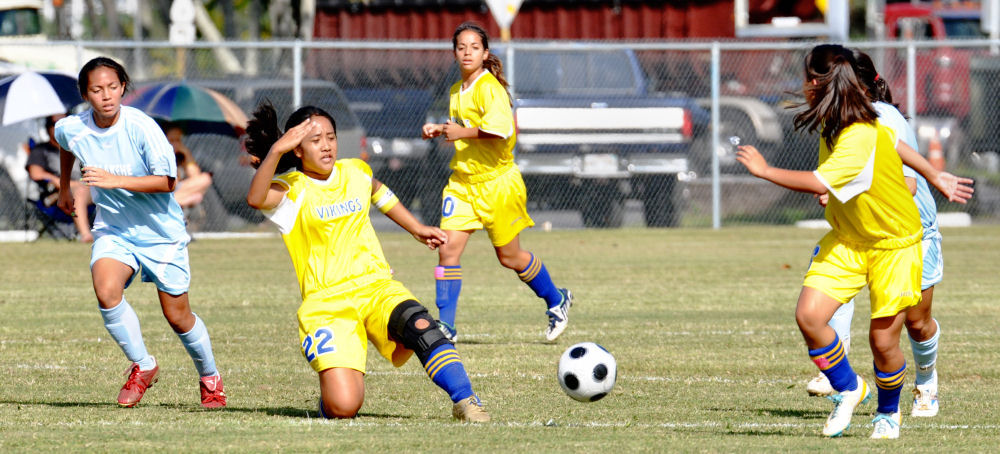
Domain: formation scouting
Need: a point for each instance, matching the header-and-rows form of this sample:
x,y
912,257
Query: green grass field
x,y
700,321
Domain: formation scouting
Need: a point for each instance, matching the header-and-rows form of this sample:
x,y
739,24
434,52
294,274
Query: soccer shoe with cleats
x,y
559,316
212,393
820,386
136,385
886,426
925,399
470,409
449,331
844,405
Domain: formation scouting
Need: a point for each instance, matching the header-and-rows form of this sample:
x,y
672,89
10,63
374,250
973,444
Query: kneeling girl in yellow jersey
x,y
320,205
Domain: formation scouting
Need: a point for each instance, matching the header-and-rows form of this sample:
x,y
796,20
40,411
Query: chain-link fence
x,y
608,134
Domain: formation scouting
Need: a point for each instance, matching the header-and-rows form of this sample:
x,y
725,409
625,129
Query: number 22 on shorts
x,y
322,339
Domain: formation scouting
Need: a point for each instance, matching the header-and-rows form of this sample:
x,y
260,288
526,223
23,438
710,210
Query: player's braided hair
x,y
263,132
835,98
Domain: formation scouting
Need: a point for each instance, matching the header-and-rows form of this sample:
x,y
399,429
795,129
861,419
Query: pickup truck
x,y
590,134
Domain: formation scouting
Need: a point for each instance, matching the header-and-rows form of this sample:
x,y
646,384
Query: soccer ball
x,y
587,371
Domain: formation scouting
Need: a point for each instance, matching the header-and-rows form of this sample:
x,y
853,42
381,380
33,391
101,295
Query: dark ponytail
x,y
492,63
878,88
835,98
263,132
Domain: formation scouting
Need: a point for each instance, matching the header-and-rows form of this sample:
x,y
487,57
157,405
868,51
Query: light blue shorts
x,y
165,265
933,271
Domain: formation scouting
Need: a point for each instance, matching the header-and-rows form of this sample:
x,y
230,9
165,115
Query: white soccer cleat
x,y
886,426
820,386
844,405
925,399
559,316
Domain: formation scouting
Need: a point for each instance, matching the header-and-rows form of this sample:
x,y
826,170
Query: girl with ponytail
x,y
320,205
486,190
922,328
875,240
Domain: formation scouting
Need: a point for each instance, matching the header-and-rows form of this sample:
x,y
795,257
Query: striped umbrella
x,y
34,95
193,108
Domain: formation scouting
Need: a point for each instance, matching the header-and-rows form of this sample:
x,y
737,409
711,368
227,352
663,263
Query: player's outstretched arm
x,y
956,189
796,180
387,203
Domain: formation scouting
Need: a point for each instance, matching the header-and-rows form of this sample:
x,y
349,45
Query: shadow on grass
x,y
288,412
787,413
777,412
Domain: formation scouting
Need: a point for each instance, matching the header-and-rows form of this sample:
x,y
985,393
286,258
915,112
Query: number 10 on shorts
x,y
322,339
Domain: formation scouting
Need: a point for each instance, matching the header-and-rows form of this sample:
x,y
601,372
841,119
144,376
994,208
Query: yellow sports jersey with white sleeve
x,y
327,231
870,204
484,105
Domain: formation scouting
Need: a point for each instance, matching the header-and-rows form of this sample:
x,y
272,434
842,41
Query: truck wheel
x,y
659,201
601,205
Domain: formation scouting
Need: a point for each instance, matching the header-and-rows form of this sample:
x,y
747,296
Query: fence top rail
x,y
524,44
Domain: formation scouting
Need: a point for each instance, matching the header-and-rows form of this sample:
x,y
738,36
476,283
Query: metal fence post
x,y
911,82
716,186
297,74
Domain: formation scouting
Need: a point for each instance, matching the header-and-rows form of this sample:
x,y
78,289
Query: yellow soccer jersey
x,y
484,105
327,230
870,204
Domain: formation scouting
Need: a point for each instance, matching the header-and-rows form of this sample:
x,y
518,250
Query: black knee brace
x,y
402,328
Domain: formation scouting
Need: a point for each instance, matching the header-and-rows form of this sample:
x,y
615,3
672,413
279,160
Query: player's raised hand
x,y
295,135
99,178
431,130
452,131
752,159
956,189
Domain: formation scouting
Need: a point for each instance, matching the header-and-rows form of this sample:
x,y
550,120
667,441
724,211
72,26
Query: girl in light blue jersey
x,y
138,229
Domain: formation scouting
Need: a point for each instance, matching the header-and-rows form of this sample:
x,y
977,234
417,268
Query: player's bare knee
x,y
108,295
411,325
334,409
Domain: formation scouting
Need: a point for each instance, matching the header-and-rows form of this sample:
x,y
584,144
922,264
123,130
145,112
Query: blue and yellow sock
x,y
199,346
122,323
889,386
537,278
925,355
446,370
449,286
832,361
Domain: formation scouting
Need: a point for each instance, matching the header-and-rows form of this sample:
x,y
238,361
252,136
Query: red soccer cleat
x,y
212,394
135,387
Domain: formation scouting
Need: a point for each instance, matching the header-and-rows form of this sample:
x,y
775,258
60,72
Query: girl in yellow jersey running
x,y
875,241
320,205
485,190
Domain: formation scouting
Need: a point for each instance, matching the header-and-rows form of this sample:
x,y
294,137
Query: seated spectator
x,y
192,182
43,169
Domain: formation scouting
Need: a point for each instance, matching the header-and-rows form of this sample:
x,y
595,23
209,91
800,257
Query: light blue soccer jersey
x,y
133,146
890,116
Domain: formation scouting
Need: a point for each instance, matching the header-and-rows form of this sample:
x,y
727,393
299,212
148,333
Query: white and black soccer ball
x,y
587,371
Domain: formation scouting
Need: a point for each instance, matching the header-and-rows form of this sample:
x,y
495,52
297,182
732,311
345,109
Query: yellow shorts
x,y
841,270
334,330
498,205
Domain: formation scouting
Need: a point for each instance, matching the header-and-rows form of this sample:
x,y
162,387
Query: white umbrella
x,y
31,95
